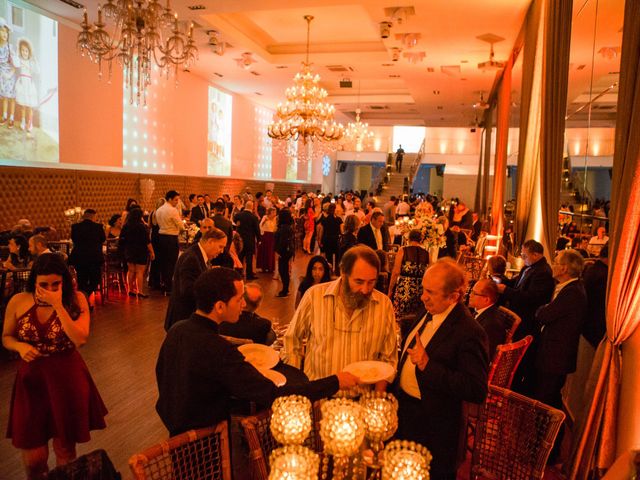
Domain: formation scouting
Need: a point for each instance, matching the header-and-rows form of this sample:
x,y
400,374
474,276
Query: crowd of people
x,y
436,329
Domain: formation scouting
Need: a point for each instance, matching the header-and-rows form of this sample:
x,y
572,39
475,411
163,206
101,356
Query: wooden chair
x,y
514,436
514,326
113,272
95,465
473,265
202,454
261,443
504,364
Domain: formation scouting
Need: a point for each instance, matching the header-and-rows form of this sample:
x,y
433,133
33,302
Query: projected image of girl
x,y
26,94
7,75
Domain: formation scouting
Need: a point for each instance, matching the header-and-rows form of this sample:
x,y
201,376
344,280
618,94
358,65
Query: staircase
x,y
396,180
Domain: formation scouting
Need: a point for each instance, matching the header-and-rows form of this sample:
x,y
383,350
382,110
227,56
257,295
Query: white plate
x,y
369,371
260,356
276,377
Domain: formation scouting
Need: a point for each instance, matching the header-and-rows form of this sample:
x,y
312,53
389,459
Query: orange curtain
x,y
502,142
597,442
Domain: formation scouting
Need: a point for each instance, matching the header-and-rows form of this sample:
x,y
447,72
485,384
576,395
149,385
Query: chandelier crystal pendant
x,y
357,133
305,116
145,34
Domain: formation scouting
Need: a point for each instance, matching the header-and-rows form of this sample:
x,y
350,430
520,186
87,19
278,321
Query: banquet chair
x,y
505,363
473,265
202,454
113,273
261,442
514,325
514,436
18,280
95,465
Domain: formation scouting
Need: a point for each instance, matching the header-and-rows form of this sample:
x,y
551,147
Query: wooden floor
x,y
121,354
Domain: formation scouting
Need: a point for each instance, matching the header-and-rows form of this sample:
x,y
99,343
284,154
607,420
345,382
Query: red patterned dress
x,y
54,395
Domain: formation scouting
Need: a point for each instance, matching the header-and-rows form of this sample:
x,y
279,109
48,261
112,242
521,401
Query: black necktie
x,y
413,341
203,211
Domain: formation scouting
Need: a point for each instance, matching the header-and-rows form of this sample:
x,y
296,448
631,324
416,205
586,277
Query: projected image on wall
x,y
219,144
28,85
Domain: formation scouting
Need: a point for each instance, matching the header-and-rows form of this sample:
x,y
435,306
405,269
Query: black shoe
x,y
133,294
283,294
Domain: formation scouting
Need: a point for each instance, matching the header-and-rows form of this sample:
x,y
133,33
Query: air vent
x,y
451,70
252,72
379,107
73,4
280,67
258,93
580,67
196,7
388,64
394,76
440,107
430,69
218,74
339,68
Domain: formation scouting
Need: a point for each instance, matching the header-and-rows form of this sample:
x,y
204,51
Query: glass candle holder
x,y
404,460
380,412
293,462
342,427
291,419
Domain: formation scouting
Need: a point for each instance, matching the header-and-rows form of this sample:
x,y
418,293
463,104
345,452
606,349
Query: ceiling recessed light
x,y
436,92
258,93
196,7
464,61
394,76
463,79
387,64
279,67
430,69
440,107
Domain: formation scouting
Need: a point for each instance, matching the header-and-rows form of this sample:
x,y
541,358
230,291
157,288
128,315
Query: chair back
x,y
506,361
95,465
196,454
514,325
19,279
514,436
261,443
473,265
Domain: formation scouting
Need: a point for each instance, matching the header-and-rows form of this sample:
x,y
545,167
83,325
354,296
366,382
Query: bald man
x,y
495,322
250,325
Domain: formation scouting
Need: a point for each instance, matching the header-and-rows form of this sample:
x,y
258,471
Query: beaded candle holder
x,y
380,412
404,460
291,419
293,462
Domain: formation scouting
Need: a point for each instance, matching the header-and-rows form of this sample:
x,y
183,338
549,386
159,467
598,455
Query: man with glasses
x,y
496,323
343,321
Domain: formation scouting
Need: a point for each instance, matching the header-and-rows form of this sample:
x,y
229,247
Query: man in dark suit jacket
x,y
444,362
189,266
198,371
560,324
86,256
495,322
527,292
250,325
199,212
375,228
248,226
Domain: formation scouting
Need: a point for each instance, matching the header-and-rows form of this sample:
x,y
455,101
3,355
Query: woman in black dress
x,y
135,244
285,247
318,271
329,235
349,236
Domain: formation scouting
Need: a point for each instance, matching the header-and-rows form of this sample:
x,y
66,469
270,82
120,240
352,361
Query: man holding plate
x,y
198,371
444,362
344,322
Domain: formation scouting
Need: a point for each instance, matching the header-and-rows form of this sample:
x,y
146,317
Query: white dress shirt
x,y
408,381
168,219
377,234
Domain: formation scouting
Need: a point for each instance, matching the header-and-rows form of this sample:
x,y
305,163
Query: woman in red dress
x,y
309,225
53,396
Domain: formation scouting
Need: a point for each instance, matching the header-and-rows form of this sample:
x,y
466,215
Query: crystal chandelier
x,y
144,34
357,133
305,115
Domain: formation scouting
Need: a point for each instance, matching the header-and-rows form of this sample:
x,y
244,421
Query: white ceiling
x,y
438,91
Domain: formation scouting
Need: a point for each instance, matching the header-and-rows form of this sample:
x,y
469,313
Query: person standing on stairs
x,y
399,157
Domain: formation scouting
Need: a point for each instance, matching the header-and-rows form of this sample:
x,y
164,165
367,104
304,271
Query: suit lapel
x,y
445,330
201,262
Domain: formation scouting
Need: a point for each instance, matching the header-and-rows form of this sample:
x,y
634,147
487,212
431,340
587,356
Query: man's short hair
x,y
488,288
90,211
200,196
533,247
604,251
498,264
572,260
415,235
253,304
39,240
375,215
455,279
215,285
219,207
354,253
171,194
213,234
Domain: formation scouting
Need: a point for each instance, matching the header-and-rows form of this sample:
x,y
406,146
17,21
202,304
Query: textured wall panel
x,y
42,195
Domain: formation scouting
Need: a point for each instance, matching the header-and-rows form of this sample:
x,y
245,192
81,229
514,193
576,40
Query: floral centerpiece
x,y
432,232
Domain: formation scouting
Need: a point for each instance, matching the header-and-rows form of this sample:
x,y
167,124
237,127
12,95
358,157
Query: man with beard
x,y
343,321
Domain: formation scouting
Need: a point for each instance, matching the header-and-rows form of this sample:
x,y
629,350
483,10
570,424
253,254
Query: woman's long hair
x,y
23,246
285,217
53,264
307,281
135,216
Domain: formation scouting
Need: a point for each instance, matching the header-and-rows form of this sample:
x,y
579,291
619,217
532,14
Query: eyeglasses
x,y
477,294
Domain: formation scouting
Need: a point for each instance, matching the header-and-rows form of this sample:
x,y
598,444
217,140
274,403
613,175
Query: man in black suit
x,y
444,363
374,235
86,256
524,294
189,266
248,226
208,204
198,372
199,212
495,322
250,325
560,323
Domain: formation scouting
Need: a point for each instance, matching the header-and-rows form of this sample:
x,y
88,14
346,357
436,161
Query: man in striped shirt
x,y
343,321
